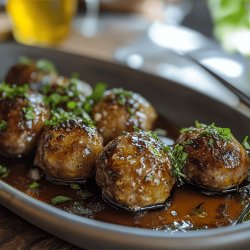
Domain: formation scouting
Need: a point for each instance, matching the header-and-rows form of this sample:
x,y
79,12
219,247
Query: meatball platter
x,y
105,157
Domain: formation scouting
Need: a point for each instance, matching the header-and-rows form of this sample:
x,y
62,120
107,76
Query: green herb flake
x,y
60,199
45,65
71,105
3,125
34,185
12,91
4,172
59,116
211,142
178,159
29,113
55,99
75,186
245,143
122,95
154,150
25,60
95,97
223,134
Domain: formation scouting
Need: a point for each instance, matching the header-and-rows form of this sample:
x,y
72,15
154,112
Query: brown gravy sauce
x,y
187,209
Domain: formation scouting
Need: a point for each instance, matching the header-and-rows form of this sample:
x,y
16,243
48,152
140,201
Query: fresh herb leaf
x,y
178,159
245,143
45,65
122,95
95,97
59,116
3,125
223,134
55,99
4,172
60,199
71,105
29,113
211,142
12,91
34,185
41,64
75,186
154,150
25,60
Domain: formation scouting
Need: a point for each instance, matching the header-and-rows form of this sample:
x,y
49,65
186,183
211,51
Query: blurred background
x,y
155,36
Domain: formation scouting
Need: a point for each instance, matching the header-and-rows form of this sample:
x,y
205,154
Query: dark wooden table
x,y
16,233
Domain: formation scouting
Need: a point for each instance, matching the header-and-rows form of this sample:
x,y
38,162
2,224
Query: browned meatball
x,y
134,171
21,74
67,152
23,120
46,80
215,159
121,110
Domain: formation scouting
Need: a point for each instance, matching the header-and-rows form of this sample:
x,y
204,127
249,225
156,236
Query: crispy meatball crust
x,y
118,112
21,134
134,171
213,163
21,74
68,151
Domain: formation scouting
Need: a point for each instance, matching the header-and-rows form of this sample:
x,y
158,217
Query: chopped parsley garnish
x,y
34,185
60,199
25,60
55,99
223,134
178,159
3,125
59,116
29,113
95,97
45,65
71,105
12,91
245,143
4,172
154,150
122,95
41,64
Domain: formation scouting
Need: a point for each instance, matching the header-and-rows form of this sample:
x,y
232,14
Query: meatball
x,y
215,159
134,171
22,121
67,152
46,80
21,74
122,110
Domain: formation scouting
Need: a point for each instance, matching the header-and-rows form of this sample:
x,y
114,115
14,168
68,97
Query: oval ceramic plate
x,y
173,101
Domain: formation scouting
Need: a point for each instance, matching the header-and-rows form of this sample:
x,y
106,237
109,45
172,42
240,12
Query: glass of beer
x,y
41,22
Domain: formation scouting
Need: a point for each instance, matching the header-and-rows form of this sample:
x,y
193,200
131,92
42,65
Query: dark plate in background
x,y
175,102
